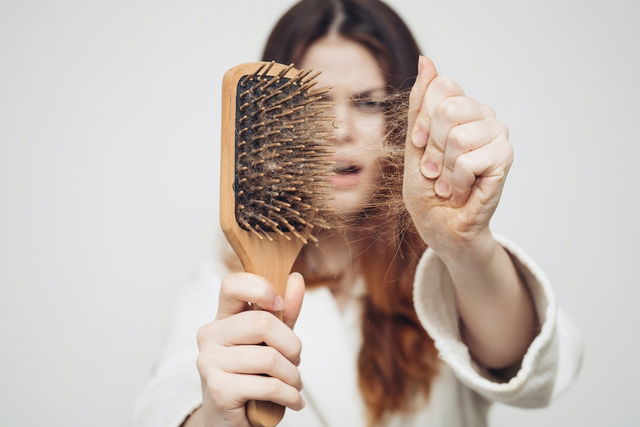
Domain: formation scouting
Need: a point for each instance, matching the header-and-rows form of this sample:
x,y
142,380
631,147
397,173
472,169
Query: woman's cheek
x,y
371,134
374,126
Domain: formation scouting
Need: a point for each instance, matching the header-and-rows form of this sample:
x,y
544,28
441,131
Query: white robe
x,y
460,396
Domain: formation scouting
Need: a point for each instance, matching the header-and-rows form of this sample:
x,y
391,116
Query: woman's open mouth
x,y
346,173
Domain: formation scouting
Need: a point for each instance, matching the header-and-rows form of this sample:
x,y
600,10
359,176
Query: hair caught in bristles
x,y
283,144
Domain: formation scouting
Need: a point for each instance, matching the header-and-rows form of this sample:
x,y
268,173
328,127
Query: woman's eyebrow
x,y
369,92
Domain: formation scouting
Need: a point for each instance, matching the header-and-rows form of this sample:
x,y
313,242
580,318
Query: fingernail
x,y
278,303
430,170
420,138
420,65
442,189
298,275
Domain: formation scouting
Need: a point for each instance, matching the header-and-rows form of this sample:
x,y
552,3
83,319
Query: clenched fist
x,y
457,157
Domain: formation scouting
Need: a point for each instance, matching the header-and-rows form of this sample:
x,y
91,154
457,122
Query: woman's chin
x,y
346,202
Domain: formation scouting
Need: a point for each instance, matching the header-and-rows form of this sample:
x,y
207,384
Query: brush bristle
x,y
283,143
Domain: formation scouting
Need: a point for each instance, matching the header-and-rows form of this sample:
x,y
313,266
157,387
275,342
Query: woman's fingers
x,y
232,363
293,297
463,139
490,162
254,387
439,88
238,289
419,122
449,114
259,359
231,391
252,327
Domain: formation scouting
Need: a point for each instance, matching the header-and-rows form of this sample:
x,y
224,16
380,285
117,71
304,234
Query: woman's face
x,y
358,92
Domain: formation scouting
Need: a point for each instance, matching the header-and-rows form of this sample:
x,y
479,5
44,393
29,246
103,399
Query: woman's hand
x,y
457,157
231,358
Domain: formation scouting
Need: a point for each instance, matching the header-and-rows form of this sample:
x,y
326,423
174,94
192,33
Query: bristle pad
x,y
283,142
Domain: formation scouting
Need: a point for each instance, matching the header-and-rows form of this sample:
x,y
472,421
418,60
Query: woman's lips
x,y
346,180
346,174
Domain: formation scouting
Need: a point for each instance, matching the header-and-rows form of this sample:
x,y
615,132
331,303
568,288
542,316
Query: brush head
x,y
283,140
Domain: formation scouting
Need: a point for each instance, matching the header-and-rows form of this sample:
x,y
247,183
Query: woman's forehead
x,y
346,65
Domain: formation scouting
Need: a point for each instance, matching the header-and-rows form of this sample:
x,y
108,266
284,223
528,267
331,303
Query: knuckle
x,y
216,393
216,388
227,283
263,322
447,109
265,290
202,365
458,137
488,110
435,151
272,359
509,155
203,335
297,347
221,389
505,130
208,363
446,84
275,387
463,164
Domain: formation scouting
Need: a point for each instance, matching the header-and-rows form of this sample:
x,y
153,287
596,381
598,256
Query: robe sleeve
x,y
549,365
173,392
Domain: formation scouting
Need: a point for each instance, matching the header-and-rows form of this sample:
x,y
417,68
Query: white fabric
x,y
461,394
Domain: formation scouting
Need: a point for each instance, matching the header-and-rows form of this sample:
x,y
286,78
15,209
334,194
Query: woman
x,y
415,275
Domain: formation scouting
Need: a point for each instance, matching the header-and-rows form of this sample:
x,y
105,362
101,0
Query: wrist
x,y
469,254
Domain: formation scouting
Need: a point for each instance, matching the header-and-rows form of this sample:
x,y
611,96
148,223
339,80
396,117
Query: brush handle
x,y
270,255
266,413
273,261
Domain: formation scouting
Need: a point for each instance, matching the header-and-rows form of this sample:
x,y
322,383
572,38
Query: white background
x,y
108,181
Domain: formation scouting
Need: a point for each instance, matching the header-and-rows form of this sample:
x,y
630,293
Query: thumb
x,y
293,299
419,121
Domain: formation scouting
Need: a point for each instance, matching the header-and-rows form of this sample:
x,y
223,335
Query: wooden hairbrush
x,y
276,143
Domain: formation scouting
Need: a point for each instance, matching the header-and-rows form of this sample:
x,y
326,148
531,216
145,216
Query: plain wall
x,y
109,122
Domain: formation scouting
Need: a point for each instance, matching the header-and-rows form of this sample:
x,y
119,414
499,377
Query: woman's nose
x,y
343,123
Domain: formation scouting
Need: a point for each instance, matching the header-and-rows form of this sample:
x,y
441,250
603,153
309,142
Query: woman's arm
x,y
498,320
457,157
551,361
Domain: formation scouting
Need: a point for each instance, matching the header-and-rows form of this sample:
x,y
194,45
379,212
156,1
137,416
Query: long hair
x,y
397,361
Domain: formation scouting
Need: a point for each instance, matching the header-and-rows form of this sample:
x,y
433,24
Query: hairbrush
x,y
276,144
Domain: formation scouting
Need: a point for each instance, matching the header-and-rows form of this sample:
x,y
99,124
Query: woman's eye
x,y
369,104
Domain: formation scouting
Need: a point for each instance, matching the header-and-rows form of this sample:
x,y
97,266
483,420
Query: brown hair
x,y
397,361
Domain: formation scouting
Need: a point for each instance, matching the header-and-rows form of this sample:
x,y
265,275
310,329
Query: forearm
x,y
498,320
